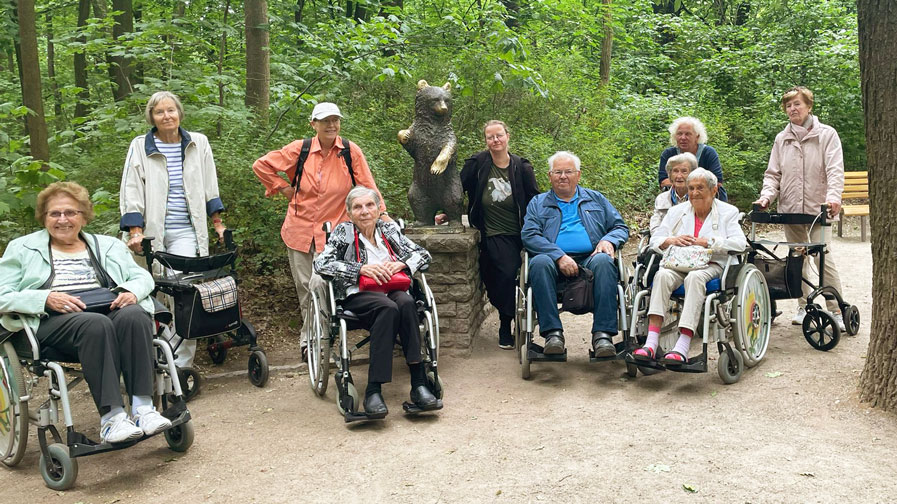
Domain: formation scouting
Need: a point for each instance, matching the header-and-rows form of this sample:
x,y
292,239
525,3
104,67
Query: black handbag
x,y
97,300
578,297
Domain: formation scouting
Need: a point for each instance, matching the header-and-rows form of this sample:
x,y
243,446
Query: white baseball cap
x,y
324,109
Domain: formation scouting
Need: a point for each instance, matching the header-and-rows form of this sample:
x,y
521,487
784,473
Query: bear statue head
x,y
433,103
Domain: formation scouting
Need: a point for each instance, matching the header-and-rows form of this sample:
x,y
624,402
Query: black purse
x,y
578,296
97,300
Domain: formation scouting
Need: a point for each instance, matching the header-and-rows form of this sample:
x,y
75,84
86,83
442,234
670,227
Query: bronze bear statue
x,y
430,140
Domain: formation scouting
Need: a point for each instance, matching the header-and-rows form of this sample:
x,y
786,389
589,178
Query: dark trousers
x,y
499,262
107,346
385,315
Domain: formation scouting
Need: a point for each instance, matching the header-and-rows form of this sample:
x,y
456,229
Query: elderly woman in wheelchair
x,y
369,263
700,242
80,297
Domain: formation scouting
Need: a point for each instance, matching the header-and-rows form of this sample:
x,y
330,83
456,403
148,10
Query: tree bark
x,y
222,51
123,71
31,85
878,75
257,69
80,62
297,14
608,42
51,73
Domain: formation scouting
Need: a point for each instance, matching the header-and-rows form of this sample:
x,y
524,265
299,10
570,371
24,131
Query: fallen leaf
x,y
773,374
657,468
689,489
713,394
498,492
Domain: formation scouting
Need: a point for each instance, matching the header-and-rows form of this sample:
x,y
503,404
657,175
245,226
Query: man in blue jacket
x,y
567,228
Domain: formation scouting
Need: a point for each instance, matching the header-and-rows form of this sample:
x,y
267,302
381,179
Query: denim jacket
x,y
543,222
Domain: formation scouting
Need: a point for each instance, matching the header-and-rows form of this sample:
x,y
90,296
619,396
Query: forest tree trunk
x,y
878,75
124,24
31,85
257,69
80,62
608,42
222,51
51,74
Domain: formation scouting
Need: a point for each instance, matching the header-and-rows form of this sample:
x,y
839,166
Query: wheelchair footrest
x,y
649,364
413,409
535,354
621,350
695,365
80,446
353,416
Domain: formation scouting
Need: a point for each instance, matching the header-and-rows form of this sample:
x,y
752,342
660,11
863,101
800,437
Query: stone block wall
x,y
454,278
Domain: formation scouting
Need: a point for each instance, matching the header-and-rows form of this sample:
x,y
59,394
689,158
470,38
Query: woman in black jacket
x,y
499,185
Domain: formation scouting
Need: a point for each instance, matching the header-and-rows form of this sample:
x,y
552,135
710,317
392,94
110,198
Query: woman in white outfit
x,y
169,191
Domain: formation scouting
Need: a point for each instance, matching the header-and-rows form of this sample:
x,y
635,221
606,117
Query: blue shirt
x,y
177,216
572,238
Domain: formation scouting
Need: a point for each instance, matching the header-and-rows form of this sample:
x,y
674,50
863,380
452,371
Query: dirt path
x,y
576,432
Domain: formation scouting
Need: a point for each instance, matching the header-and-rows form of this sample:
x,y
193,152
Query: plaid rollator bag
x,y
206,309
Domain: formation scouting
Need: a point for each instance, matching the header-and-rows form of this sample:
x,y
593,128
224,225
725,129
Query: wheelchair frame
x,y
321,346
819,327
242,332
737,315
58,461
524,324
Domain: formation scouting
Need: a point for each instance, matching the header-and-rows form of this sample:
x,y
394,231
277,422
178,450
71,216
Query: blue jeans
x,y
543,277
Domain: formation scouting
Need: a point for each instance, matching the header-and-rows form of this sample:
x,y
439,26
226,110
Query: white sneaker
x,y
840,320
151,421
799,316
120,429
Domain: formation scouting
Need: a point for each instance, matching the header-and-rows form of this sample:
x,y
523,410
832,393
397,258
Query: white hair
x,y
704,174
686,158
564,154
696,123
358,192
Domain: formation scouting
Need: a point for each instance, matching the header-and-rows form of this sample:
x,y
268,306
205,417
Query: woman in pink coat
x,y
806,170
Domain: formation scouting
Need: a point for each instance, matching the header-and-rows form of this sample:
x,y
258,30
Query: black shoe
x,y
554,342
603,344
505,338
374,406
423,398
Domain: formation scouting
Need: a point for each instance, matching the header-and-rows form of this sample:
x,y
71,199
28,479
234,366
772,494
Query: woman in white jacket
x,y
806,171
704,221
169,191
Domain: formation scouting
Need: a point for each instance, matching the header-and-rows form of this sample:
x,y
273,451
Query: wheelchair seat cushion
x,y
712,286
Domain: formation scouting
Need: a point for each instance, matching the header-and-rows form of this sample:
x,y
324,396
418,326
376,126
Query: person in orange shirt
x,y
318,196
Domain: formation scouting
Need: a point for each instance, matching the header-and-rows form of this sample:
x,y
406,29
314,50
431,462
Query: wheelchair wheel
x,y
258,368
353,395
218,355
13,413
519,319
820,329
318,348
631,370
59,470
730,370
852,320
436,385
180,437
752,315
191,382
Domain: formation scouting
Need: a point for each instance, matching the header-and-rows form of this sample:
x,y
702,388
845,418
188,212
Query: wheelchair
x,y
328,341
736,316
525,321
23,363
785,276
224,325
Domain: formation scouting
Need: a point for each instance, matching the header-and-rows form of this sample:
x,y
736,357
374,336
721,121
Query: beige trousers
x,y
666,281
306,281
800,233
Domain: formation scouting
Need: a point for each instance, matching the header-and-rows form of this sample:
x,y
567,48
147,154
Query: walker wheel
x,y
258,368
191,382
218,355
852,320
820,329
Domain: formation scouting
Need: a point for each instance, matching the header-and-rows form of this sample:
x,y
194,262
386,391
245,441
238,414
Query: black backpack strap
x,y
347,157
300,165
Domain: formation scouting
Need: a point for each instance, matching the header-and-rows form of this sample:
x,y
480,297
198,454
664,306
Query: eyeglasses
x,y
69,214
494,138
565,173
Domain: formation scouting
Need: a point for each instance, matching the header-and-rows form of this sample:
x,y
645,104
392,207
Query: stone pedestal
x,y
454,278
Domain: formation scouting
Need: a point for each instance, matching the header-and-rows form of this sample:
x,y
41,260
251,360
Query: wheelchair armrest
x,y
32,340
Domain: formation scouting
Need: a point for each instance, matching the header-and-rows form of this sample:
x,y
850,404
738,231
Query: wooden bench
x,y
856,186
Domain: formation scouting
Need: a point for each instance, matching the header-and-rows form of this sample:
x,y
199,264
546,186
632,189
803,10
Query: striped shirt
x,y
72,271
177,216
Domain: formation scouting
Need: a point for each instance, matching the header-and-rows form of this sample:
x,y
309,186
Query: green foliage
x,y
537,68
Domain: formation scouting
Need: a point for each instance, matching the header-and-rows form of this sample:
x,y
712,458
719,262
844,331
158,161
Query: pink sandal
x,y
644,353
674,358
